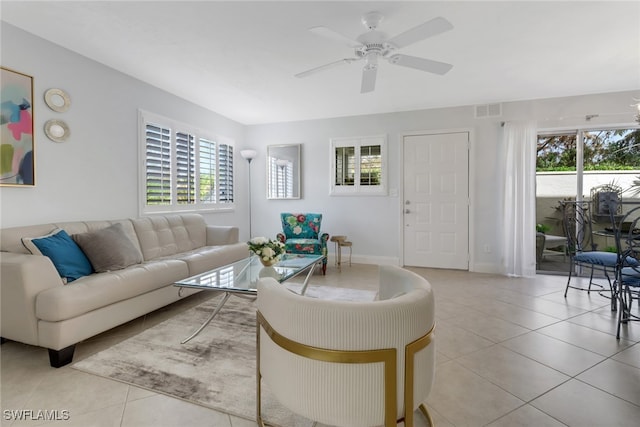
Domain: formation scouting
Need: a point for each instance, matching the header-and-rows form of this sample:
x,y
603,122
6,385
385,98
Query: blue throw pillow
x,y
65,254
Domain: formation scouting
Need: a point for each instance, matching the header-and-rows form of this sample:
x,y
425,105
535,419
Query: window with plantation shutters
x,y
359,166
183,169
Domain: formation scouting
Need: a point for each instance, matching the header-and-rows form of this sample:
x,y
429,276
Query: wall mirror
x,y
283,171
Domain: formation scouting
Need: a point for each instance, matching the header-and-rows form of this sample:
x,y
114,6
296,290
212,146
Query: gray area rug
x,y
216,369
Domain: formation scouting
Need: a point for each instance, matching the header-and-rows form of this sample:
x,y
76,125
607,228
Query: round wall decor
x,y
56,130
57,99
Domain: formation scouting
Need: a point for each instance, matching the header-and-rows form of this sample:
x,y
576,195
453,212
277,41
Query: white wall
x,y
94,174
371,222
374,224
559,185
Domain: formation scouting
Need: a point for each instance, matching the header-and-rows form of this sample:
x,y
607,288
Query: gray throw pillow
x,y
109,249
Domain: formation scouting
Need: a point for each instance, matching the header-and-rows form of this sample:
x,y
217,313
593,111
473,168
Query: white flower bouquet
x,y
268,250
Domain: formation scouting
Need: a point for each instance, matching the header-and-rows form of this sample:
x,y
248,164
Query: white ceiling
x,y
239,58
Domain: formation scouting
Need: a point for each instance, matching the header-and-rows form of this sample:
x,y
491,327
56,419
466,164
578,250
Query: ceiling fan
x,y
374,44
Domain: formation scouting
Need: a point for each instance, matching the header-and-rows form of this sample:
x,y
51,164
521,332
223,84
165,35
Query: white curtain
x,y
519,239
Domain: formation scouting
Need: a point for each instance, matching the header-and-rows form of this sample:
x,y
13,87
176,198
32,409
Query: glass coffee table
x,y
241,278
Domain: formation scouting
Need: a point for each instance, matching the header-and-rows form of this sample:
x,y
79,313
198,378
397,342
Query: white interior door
x,y
436,200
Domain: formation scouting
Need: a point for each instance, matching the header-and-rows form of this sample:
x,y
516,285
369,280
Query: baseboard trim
x,y
486,268
363,259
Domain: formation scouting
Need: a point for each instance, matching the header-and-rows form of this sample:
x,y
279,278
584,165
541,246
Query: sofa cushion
x,y
92,226
65,254
210,257
108,249
310,246
100,290
168,235
11,238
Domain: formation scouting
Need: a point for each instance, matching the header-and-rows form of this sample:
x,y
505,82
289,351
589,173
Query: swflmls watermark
x,y
36,414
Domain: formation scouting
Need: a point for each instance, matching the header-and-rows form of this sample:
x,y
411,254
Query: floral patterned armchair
x,y
301,235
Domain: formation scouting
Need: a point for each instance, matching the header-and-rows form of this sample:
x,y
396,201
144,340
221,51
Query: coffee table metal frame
x,y
240,278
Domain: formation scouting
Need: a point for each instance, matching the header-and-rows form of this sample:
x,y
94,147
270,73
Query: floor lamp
x,y
281,164
249,155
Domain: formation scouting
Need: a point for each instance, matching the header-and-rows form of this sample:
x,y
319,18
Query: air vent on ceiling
x,y
488,110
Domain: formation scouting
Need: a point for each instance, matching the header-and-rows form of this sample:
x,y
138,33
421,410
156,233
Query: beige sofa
x,y
39,308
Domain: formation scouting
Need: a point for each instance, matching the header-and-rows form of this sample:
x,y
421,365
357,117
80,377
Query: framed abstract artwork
x,y
17,159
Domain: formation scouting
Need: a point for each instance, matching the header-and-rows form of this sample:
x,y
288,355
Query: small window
x,y
183,169
358,166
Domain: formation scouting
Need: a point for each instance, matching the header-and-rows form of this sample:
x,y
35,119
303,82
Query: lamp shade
x,y
248,154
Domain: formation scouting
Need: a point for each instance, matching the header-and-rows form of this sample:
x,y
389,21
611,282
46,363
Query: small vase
x,y
269,262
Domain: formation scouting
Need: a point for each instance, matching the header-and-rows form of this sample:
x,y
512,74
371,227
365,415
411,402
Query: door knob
x,y
407,211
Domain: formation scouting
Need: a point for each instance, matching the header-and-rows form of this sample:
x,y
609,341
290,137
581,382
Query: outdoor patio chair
x,y
627,278
578,228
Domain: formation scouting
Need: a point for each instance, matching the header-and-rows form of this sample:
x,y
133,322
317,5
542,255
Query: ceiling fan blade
x,y
428,29
421,64
368,79
330,34
326,67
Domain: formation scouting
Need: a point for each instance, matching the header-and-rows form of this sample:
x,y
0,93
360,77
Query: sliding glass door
x,y
574,165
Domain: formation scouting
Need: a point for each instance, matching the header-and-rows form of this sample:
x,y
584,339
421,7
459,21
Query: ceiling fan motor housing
x,y
373,42
373,49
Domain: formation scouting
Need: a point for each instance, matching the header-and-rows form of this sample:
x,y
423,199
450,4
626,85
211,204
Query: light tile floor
x,y
511,352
